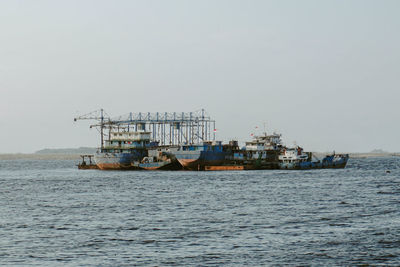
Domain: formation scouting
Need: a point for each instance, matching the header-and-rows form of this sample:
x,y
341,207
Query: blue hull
x,y
197,160
119,161
329,162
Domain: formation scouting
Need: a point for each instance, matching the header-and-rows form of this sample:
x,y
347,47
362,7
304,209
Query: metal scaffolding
x,y
169,128
166,128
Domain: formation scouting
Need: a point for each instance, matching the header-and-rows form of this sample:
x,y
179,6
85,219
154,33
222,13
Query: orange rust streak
x,y
185,162
109,166
150,168
224,168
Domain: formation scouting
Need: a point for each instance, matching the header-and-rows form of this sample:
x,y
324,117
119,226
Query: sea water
x,y
53,214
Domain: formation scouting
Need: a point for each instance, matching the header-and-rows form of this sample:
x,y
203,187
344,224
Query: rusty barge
x,y
83,165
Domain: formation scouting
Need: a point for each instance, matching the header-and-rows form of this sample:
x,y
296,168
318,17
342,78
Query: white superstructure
x,y
264,142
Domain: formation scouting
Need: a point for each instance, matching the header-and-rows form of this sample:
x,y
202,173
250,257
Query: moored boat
x,y
87,166
135,151
335,161
124,150
160,158
260,153
296,158
197,156
108,160
133,143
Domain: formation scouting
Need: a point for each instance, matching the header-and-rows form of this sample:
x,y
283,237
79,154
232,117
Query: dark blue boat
x,y
296,158
197,156
124,151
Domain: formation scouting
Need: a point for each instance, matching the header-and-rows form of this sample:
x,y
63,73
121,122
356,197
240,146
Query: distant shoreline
x,y
61,156
34,156
373,155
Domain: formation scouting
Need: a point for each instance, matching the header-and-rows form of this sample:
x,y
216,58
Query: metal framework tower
x,y
167,128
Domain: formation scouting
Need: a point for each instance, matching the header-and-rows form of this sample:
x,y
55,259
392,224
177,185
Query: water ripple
x,y
56,215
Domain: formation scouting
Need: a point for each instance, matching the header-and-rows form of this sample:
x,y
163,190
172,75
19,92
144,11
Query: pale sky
x,y
325,74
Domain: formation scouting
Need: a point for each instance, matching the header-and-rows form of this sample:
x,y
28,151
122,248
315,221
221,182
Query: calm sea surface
x,y
52,214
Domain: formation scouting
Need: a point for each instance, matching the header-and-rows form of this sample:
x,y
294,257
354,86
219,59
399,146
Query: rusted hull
x,y
188,163
198,165
117,161
131,161
116,166
85,166
151,168
224,168
88,167
197,160
161,165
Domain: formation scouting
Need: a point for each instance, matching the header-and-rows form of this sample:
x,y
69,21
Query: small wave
x,y
150,241
380,233
389,243
121,239
385,193
339,224
325,219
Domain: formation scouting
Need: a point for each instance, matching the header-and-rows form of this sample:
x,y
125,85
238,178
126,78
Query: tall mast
x,y
101,129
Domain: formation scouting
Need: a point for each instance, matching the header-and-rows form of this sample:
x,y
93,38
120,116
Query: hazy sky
x,y
325,74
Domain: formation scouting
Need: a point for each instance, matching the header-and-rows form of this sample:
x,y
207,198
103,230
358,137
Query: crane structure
x,y
166,128
98,115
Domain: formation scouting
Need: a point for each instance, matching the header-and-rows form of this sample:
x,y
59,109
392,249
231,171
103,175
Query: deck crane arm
x,y
94,115
98,115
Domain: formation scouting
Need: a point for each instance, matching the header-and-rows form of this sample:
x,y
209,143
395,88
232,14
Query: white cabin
x,y
264,142
130,136
290,155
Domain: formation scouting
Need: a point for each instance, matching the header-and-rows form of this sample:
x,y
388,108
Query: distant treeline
x,y
81,150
